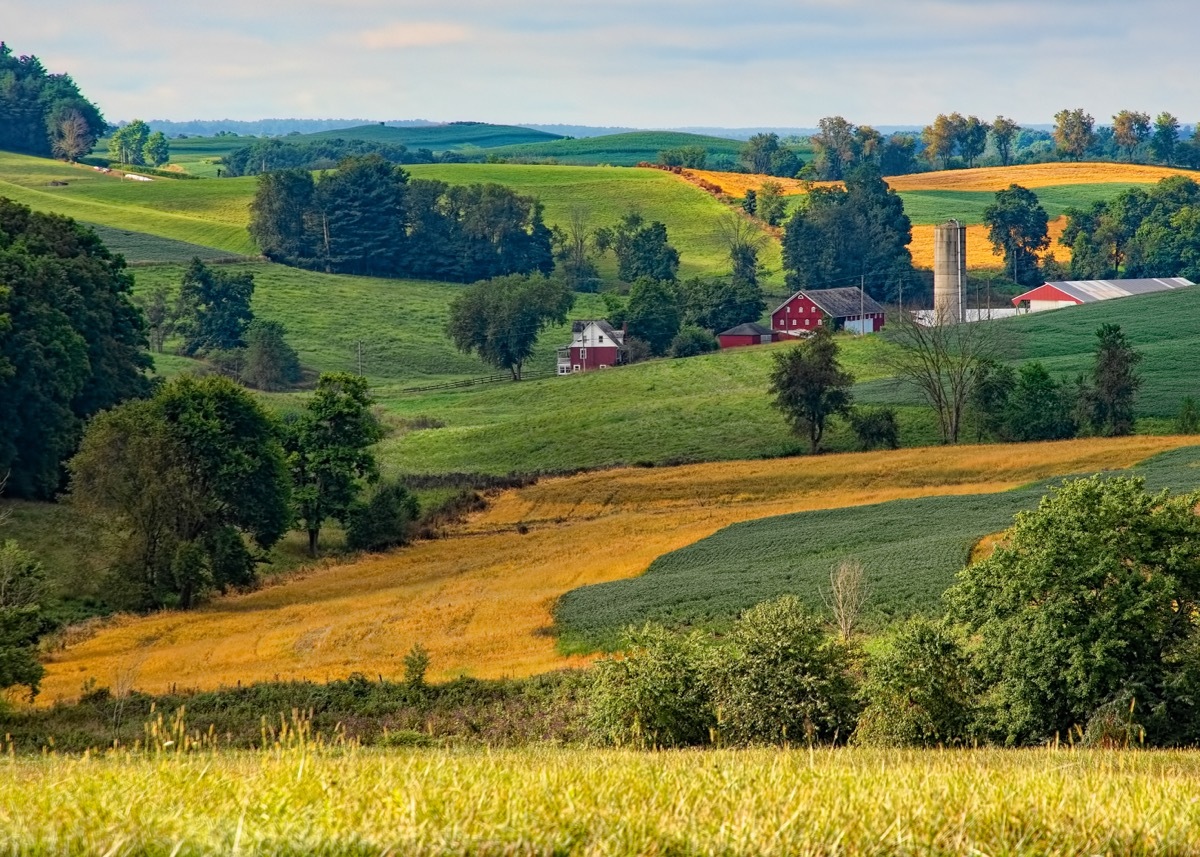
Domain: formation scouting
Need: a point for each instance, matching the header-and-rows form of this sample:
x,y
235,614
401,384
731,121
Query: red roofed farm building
x,y
847,308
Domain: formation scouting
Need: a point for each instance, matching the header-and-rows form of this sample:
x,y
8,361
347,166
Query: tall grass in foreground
x,y
296,797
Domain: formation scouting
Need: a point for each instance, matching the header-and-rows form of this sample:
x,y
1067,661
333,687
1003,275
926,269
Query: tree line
x,y
368,217
42,113
136,145
270,155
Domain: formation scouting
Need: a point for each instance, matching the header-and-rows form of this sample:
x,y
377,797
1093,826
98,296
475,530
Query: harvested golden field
x,y
480,599
980,254
1034,176
978,179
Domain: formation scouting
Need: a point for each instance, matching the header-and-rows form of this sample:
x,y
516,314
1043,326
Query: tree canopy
x,y
1089,601
642,249
1018,227
183,484
809,386
368,217
72,343
42,113
842,234
499,320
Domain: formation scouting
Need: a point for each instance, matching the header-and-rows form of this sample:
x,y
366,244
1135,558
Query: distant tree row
x,y
368,217
44,114
265,156
136,145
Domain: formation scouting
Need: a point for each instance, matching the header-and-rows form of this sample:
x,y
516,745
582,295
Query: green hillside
x,y
622,150
438,138
606,193
209,213
911,550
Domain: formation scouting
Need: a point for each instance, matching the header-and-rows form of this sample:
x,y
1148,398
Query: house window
x,y
583,354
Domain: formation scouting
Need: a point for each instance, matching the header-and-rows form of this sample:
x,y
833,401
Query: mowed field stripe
x,y
480,600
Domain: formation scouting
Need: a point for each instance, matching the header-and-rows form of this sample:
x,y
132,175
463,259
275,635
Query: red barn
x,y
750,333
594,345
848,308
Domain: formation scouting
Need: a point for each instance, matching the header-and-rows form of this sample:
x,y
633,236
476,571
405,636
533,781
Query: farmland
x,y
481,599
619,150
348,801
438,138
911,550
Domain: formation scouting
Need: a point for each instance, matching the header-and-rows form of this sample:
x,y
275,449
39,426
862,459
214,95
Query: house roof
x,y
1091,291
617,336
837,303
750,328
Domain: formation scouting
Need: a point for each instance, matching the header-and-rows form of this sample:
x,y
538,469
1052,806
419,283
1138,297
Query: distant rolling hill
x,y
439,138
619,150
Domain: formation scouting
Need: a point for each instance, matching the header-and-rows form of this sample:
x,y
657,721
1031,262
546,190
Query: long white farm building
x,y
1066,293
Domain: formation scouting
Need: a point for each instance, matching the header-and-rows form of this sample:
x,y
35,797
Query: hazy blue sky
x,y
645,63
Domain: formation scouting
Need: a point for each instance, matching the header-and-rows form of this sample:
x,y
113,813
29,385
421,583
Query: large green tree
x,y
1165,140
844,235
809,386
280,216
1018,227
127,145
184,484
43,113
214,308
653,313
499,320
1087,602
1004,133
1130,130
328,446
642,249
71,343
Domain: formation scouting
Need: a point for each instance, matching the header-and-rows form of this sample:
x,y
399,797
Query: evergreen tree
x,y
1115,381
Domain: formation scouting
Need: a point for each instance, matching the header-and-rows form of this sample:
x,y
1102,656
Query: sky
x,y
641,63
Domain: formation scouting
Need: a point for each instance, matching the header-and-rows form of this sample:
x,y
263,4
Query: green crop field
x,y
141,248
438,138
911,550
620,150
200,155
306,798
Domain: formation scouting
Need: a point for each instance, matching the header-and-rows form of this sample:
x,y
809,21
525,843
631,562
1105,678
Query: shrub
x,y
637,350
1188,421
384,521
781,678
875,427
654,694
692,341
917,689
416,664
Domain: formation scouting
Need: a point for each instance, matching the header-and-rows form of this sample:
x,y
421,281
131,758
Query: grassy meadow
x,y
911,550
481,598
438,138
312,799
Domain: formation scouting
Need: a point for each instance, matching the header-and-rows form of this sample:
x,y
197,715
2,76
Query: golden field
x,y
480,599
980,253
307,798
978,179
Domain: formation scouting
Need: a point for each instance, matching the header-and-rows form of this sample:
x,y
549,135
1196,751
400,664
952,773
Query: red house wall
x,y
796,315
595,358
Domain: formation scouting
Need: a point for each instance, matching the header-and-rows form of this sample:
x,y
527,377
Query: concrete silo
x,y
949,271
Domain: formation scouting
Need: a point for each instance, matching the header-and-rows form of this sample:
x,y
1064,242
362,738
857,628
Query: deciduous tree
x,y
1004,133
1073,132
809,386
1165,140
499,320
1018,227
1130,130
214,308
328,447
641,248
653,313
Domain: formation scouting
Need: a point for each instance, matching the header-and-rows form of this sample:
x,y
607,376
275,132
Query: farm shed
x,y
1064,293
750,333
846,308
595,344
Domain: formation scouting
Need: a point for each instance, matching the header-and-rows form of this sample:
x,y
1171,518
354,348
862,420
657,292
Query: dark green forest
x,y
43,113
